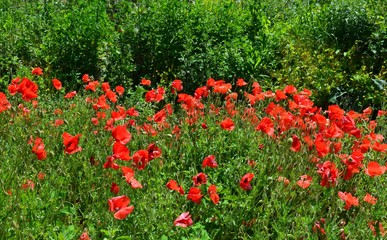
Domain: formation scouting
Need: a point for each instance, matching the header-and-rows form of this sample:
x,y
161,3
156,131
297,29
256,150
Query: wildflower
x,y
348,199
213,194
209,161
244,183
184,220
119,205
71,143
172,185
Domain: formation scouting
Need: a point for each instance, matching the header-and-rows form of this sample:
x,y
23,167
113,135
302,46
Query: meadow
x,y
229,161
205,119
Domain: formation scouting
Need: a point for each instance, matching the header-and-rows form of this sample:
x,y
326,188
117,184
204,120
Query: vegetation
x,y
169,119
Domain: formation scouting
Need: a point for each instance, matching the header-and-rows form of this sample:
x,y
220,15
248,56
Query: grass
x,y
63,196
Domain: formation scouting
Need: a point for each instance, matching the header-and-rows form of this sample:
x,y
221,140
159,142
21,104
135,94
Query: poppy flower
x,y
37,71
105,87
145,82
328,173
111,96
121,151
141,159
227,124
70,94
28,89
305,181
114,188
184,220
177,85
172,185
84,236
119,205
213,194
194,195
85,78
200,179
240,82
92,86
374,169
153,151
296,144
370,199
120,90
129,177
38,149
71,143
209,161
29,184
348,199
4,103
244,183
121,134
266,126
57,84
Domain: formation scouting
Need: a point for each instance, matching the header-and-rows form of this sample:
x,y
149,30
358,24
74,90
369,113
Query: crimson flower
x,y
119,205
145,82
200,179
141,159
296,144
172,185
121,134
70,94
177,85
85,78
38,149
121,151
305,181
71,143
114,188
37,71
348,199
194,195
374,169
57,84
213,194
153,151
120,90
244,183
84,236
209,161
129,177
328,173
240,82
227,124
370,199
184,220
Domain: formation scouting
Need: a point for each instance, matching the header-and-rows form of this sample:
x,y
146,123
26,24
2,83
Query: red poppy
x,y
4,104
172,185
213,194
227,124
240,82
85,78
322,146
280,95
348,199
305,181
111,96
177,85
201,92
120,90
199,179
105,87
153,151
290,89
244,183
58,122
328,173
29,184
114,188
110,163
84,236
160,116
38,149
92,86
119,205
374,169
184,220
194,195
222,88
71,143
37,71
209,161
121,134
145,82
70,94
121,151
296,144
129,177
57,84
119,115
41,175
28,89
141,159
266,126
370,199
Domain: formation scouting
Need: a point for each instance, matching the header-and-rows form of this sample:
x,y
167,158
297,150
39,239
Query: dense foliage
x,y
336,48
227,162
